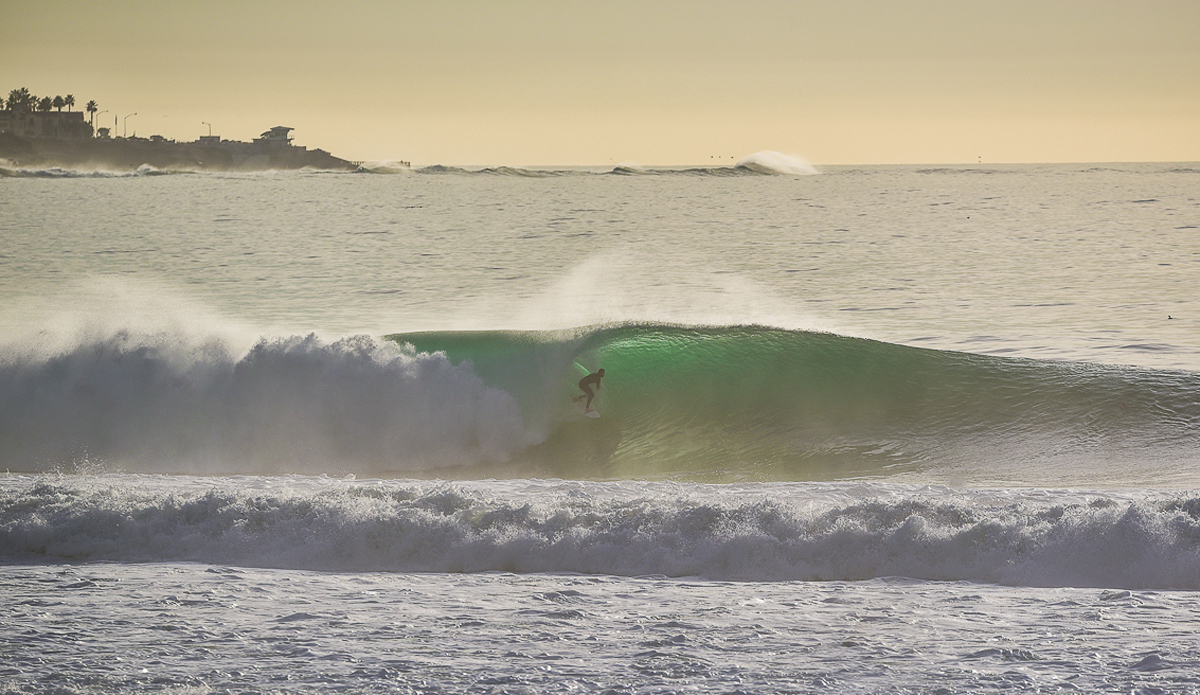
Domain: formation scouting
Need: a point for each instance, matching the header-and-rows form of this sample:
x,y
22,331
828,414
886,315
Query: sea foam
x,y
748,533
167,402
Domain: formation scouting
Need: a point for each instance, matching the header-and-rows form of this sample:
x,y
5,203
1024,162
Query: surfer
x,y
585,385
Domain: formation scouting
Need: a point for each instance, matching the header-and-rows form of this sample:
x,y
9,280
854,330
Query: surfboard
x,y
593,413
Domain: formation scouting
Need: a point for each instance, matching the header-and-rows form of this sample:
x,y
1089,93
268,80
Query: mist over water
x,y
174,403
770,162
970,259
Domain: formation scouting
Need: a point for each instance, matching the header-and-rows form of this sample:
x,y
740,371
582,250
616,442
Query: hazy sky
x,y
548,82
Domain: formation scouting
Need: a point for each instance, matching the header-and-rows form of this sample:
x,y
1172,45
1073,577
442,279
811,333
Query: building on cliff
x,y
52,139
273,149
45,124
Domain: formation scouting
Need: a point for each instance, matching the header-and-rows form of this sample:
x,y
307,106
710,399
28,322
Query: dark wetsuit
x,y
585,385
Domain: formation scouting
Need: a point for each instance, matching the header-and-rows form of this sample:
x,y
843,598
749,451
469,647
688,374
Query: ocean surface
x,y
863,430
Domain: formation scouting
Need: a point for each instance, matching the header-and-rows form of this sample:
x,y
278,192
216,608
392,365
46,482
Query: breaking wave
x,y
769,162
171,403
723,403
769,532
10,170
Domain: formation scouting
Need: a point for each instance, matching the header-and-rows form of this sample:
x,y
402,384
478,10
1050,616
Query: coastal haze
x,y
665,83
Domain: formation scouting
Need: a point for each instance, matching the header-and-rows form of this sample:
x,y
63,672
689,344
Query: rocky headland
x,y
129,154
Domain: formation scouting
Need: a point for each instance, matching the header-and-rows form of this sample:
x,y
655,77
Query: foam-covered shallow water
x,y
188,628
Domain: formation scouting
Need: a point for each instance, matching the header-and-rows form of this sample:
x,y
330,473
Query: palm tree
x,y
92,107
45,104
69,100
58,103
21,100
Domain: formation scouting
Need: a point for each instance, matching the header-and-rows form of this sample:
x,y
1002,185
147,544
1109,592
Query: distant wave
x,y
758,164
384,167
719,171
746,533
767,162
770,162
74,173
623,170
959,171
517,171
441,169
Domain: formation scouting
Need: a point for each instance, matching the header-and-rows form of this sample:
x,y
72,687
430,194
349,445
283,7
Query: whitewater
x,y
863,430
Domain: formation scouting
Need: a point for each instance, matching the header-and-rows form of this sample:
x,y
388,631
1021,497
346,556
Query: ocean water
x,y
863,430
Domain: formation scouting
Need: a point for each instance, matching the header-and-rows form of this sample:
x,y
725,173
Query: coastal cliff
x,y
127,154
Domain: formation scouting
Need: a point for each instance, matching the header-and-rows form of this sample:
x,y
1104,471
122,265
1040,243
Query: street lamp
x,y
209,127
125,124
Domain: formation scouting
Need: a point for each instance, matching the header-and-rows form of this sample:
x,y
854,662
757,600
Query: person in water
x,y
585,385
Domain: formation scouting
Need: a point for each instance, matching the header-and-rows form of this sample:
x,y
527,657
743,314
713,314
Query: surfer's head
x,y
600,372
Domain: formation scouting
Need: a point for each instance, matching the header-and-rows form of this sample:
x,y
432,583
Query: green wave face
x,y
755,403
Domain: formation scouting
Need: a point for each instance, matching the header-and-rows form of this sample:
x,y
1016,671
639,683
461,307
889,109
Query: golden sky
x,y
567,82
